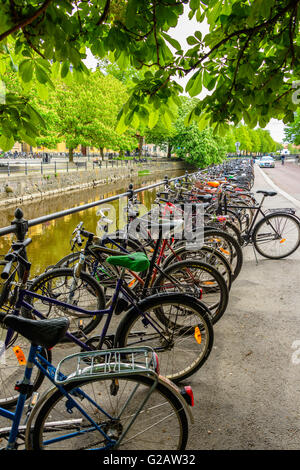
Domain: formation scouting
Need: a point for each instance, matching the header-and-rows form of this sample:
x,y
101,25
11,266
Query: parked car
x,y
267,162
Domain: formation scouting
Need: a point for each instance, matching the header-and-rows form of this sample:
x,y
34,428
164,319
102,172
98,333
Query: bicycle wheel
x,y
177,326
60,284
228,246
12,367
160,424
277,235
199,280
205,254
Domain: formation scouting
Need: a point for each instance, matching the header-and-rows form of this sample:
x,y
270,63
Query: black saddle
x,y
204,197
267,193
46,333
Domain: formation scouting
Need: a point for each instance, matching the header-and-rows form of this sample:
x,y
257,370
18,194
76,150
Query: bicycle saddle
x,y
46,333
135,261
267,193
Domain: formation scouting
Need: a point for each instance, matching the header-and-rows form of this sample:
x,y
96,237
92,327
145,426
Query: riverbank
x,y
16,189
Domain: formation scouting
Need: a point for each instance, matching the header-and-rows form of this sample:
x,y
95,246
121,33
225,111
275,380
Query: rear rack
x,y
289,210
108,363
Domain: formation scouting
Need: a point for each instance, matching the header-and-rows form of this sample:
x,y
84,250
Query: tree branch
x,y
26,21
104,13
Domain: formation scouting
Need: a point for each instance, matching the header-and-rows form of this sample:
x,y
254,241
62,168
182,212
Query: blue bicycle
x,y
97,402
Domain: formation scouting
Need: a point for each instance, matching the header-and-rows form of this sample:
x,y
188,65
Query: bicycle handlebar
x,y
6,270
15,255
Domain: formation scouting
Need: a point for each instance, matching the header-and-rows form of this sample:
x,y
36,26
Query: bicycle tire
x,y
193,315
235,257
168,433
205,254
259,241
197,278
59,283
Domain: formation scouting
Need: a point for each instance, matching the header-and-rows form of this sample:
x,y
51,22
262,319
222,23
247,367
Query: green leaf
x,y
26,70
172,41
43,91
153,118
41,75
191,40
194,4
6,143
203,122
198,35
194,85
65,69
131,13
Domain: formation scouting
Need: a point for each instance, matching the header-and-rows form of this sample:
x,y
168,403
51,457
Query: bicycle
x,y
98,403
277,234
170,323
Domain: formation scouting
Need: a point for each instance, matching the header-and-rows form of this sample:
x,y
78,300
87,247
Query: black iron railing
x,y
19,225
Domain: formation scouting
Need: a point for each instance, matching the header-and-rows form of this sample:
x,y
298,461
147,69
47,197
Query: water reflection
x,y
51,240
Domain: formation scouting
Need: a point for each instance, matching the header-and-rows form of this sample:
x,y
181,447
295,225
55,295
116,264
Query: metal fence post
x,y
26,169
8,169
41,167
54,167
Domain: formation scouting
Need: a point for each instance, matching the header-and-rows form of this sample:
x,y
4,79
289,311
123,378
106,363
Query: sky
x,y
184,29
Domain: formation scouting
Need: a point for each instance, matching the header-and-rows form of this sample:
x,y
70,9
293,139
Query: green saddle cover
x,y
135,261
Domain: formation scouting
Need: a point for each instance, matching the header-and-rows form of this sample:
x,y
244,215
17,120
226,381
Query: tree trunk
x,y
102,153
71,156
169,154
141,141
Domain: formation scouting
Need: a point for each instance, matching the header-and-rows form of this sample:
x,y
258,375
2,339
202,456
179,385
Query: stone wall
x,y
21,188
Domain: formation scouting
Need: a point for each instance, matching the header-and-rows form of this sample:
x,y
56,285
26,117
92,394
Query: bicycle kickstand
x,y
255,255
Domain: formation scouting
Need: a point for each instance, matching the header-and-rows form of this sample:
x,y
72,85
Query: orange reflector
x,y
283,240
224,251
131,282
19,355
197,335
208,283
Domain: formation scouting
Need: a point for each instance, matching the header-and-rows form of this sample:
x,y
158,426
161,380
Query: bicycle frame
x,y
120,288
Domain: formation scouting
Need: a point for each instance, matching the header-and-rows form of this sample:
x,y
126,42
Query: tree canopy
x,y
85,113
248,61
292,132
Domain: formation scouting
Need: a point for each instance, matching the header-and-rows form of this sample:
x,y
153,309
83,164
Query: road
x,y
286,177
247,394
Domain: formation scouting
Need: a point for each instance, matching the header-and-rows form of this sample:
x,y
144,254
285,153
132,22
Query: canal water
x,y
51,240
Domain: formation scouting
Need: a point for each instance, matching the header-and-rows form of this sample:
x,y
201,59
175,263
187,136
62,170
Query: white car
x,y
267,162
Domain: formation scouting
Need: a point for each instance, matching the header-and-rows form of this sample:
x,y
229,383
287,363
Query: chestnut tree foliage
x,y
248,61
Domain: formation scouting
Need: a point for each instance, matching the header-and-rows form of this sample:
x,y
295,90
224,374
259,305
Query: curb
x,y
279,190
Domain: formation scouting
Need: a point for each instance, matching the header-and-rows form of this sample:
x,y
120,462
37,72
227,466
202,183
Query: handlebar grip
x,y
6,270
78,239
